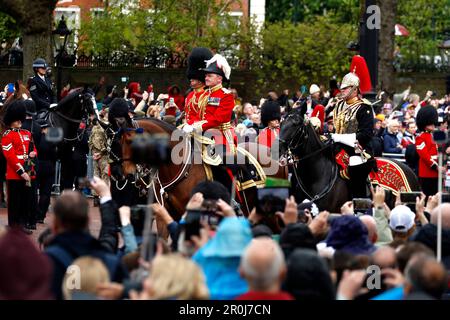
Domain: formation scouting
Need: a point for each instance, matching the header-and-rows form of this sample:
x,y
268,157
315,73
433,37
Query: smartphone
x,y
192,223
409,197
362,204
124,79
271,200
445,197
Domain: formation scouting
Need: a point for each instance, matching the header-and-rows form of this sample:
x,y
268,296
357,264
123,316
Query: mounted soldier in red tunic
x,y
216,107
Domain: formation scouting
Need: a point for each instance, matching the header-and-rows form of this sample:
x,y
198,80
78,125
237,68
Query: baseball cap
x,y
402,219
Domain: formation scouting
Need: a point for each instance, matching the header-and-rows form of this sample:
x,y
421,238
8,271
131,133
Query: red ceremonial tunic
x,y
217,114
267,136
15,144
428,153
192,106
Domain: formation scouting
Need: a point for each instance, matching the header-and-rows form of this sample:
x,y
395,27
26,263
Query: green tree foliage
x,y
428,23
307,10
175,25
8,27
303,53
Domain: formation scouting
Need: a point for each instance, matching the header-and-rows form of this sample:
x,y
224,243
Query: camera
x,y
409,197
124,79
271,200
362,204
137,218
54,135
153,150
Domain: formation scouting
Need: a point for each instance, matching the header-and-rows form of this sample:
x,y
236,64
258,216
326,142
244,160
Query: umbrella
x,y
401,30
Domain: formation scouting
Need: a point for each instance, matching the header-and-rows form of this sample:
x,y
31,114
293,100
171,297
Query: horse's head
x,y
88,103
293,133
126,138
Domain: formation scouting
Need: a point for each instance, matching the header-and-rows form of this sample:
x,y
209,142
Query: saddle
x,y
389,175
245,166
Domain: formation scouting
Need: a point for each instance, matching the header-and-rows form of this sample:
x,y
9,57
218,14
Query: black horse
x,y
68,115
315,172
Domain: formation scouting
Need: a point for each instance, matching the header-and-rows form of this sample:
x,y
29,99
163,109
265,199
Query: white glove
x,y
53,105
348,139
187,128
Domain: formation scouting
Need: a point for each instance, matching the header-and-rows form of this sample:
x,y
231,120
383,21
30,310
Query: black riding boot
x,y
358,180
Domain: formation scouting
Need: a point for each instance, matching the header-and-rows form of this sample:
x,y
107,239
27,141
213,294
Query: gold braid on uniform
x,y
344,115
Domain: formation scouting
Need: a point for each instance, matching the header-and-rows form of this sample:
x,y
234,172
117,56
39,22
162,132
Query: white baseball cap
x,y
402,219
314,89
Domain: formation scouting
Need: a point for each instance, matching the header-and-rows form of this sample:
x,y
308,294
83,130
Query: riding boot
x,y
358,180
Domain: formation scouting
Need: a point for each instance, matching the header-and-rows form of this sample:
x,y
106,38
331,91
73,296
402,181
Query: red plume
x,y
359,66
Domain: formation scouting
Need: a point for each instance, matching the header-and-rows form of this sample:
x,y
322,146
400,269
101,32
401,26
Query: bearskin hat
x,y
118,108
426,116
270,110
196,62
15,111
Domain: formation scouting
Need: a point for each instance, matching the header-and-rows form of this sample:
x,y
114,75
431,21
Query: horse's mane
x,y
69,97
163,124
312,134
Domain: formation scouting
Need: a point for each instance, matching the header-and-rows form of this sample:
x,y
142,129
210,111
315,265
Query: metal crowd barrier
x,y
395,156
56,188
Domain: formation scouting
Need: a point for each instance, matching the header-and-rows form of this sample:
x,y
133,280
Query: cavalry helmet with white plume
x,y
218,65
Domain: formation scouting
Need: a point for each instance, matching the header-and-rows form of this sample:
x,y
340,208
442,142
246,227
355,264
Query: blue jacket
x,y
68,246
390,143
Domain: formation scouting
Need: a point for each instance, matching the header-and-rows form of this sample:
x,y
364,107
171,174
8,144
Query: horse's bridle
x,y
84,111
299,137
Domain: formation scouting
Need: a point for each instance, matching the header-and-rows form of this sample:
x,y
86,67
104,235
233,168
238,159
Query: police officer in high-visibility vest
x,y
20,153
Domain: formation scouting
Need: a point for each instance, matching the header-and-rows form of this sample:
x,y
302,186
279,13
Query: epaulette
x,y
365,101
225,90
6,132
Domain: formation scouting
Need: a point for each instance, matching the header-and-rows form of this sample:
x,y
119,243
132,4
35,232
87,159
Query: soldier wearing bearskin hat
x,y
270,118
18,149
353,120
427,149
196,99
215,116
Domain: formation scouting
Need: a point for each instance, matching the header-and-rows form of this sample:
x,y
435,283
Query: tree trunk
x,y
36,46
386,75
35,20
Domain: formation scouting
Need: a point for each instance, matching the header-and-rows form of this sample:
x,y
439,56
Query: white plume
x,y
221,63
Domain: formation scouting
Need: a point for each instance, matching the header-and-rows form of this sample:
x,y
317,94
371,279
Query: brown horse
x,y
179,179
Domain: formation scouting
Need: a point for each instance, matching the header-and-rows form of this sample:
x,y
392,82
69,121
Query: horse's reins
x,y
290,149
58,113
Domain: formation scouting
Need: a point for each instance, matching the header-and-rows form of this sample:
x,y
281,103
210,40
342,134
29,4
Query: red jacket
x,y
428,153
267,136
15,143
218,112
192,107
319,112
255,295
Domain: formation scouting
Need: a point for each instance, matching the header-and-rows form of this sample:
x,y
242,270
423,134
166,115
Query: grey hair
x,y
263,279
